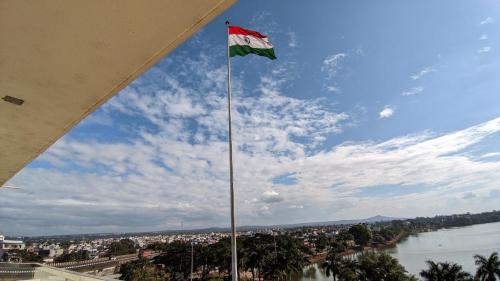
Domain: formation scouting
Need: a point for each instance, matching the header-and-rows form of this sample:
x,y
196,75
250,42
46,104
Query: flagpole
x,y
234,258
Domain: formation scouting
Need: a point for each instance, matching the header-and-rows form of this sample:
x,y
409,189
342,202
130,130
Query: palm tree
x,y
332,264
444,271
375,266
488,269
284,257
433,273
348,270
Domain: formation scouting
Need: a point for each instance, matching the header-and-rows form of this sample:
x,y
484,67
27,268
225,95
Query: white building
x,y
6,245
54,250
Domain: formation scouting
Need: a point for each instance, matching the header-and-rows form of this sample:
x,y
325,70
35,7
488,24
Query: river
x,y
458,244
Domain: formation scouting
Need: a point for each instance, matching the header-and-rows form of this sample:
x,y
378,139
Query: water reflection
x,y
311,272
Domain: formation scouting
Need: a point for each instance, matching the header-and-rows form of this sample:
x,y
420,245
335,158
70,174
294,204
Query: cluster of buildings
x,y
7,245
50,250
198,238
98,247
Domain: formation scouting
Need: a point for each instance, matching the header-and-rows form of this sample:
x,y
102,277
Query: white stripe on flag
x,y
248,40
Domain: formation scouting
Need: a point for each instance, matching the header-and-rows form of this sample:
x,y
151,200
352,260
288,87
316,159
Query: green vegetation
x,y
75,256
264,256
141,270
122,247
455,220
362,235
369,266
488,268
444,271
21,256
176,259
333,264
381,267
284,257
320,242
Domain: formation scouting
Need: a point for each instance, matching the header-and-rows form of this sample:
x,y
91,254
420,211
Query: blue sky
x,y
373,107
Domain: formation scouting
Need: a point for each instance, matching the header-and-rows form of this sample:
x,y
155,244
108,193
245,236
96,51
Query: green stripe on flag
x,y
242,50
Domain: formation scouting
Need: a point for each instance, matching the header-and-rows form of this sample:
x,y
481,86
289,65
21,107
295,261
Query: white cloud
x,y
265,22
487,20
387,112
271,196
413,91
485,49
99,119
332,64
491,154
333,89
292,43
423,72
483,37
195,192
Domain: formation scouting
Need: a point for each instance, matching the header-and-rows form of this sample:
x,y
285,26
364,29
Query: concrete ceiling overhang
x,y
65,58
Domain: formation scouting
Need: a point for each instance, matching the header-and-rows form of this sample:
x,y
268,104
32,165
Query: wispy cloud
x,y
333,89
485,49
265,21
292,43
413,91
490,154
332,64
387,112
483,37
423,72
487,20
469,195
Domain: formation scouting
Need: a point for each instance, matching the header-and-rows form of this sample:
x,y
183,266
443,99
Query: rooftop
x,y
62,60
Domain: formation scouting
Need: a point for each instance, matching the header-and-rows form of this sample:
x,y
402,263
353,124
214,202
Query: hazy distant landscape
x,y
374,219
310,248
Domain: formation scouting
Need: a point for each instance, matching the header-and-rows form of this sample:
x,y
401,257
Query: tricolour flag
x,y
243,42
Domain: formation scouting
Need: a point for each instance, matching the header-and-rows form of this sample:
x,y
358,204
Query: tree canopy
x,y
122,247
362,235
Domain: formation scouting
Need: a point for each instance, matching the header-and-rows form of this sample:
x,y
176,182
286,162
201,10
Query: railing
x,y
39,272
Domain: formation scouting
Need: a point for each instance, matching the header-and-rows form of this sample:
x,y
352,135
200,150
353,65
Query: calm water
x,y
455,244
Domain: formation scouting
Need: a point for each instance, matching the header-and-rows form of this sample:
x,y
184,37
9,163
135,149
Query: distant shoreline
x,y
320,257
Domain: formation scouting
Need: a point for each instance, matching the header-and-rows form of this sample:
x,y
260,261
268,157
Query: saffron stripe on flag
x,y
242,31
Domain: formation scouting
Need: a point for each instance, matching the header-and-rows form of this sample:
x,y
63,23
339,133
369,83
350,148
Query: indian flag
x,y
243,42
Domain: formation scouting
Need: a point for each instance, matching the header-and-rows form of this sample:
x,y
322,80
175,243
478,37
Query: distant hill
x,y
374,219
